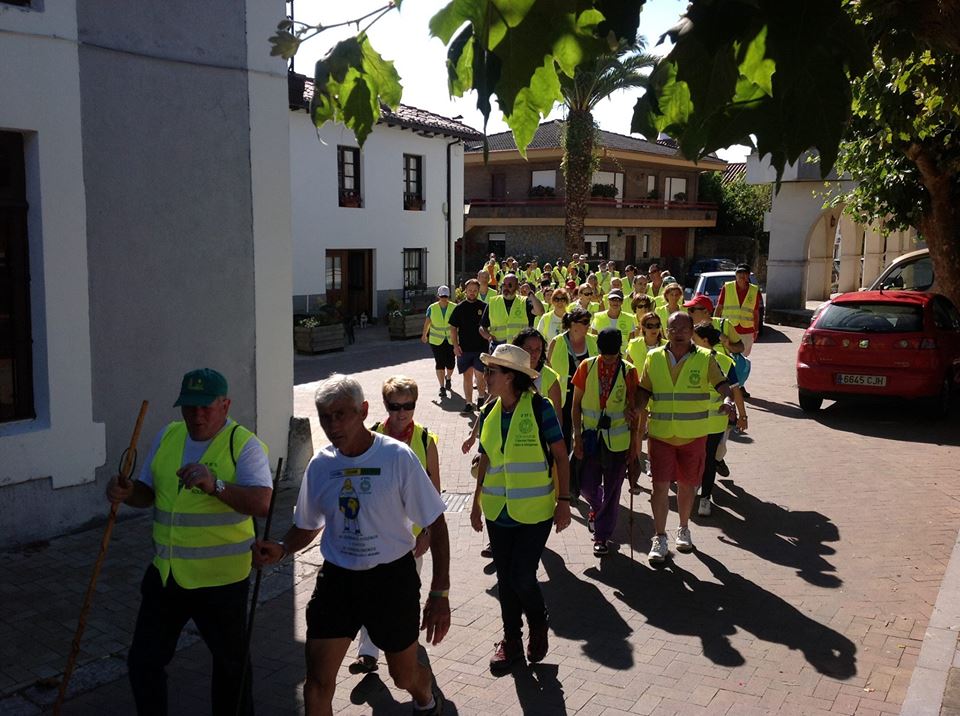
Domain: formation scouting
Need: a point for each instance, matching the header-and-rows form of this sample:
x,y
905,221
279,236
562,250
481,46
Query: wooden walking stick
x,y
256,591
128,461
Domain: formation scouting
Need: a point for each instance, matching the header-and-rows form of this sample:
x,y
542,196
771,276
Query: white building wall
x,y
40,96
381,224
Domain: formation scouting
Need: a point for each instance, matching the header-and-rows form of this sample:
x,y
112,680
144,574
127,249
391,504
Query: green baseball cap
x,y
201,387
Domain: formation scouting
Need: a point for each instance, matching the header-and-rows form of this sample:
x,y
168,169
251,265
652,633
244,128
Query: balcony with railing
x,y
606,209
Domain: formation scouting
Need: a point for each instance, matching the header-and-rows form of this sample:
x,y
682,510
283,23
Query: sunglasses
x,y
397,407
559,300
586,293
651,326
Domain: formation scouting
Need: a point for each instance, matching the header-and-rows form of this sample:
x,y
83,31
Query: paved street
x,y
810,591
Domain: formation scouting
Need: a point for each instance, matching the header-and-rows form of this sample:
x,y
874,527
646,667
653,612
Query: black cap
x,y
609,341
743,267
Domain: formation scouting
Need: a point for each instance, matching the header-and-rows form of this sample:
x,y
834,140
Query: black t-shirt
x,y
508,304
466,319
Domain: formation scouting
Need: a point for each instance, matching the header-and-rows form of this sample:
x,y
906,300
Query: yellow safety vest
x,y
681,409
505,327
548,376
638,349
518,476
486,296
661,311
603,280
550,325
560,359
737,313
419,447
617,437
718,420
559,279
199,539
727,329
626,322
439,323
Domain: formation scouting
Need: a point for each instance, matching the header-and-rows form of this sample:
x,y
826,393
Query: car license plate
x,y
850,379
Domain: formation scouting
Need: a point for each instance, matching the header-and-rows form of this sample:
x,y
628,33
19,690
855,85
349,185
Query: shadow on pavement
x,y
676,601
902,420
775,534
772,335
579,612
538,689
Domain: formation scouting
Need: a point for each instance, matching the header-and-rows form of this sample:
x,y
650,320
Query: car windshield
x,y
713,284
913,276
872,317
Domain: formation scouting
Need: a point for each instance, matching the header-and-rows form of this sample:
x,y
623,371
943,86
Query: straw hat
x,y
510,356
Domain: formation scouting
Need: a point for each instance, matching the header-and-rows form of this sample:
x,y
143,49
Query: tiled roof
x,y
405,116
734,172
548,136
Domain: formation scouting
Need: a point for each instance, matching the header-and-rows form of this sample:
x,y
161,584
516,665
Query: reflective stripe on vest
x,y
739,315
439,323
718,419
199,539
681,409
505,327
617,437
560,358
518,477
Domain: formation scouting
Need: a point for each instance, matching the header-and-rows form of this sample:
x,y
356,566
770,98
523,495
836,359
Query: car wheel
x,y
809,402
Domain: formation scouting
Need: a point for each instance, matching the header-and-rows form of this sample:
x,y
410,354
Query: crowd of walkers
x,y
572,393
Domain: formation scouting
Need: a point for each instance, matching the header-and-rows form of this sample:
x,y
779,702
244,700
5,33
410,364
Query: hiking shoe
x,y
446,382
600,549
363,664
508,652
467,409
487,552
659,549
591,521
704,508
538,644
722,469
439,701
443,392
684,542
746,395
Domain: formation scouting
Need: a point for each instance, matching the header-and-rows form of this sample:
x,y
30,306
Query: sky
x,y
403,37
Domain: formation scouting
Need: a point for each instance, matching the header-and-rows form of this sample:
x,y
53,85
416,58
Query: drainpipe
x,y
449,217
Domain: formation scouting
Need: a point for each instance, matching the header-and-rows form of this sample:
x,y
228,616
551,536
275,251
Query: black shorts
x,y
385,599
443,356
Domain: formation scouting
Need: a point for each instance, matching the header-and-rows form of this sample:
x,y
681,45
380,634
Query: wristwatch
x,y
219,487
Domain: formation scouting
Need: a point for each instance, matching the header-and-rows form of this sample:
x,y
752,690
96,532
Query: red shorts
x,y
678,463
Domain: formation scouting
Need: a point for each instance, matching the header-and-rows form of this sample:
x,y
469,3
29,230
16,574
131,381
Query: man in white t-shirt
x,y
364,492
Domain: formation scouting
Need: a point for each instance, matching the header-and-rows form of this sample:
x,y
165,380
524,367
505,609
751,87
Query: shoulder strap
x,y
375,427
425,437
233,457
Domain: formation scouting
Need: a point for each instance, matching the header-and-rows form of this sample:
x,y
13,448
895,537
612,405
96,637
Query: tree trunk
x,y
578,173
939,225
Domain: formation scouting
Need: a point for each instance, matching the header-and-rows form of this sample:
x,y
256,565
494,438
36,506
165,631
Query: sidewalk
x,y
813,588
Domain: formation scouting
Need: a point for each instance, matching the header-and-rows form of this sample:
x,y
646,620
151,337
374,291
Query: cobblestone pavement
x,y
810,591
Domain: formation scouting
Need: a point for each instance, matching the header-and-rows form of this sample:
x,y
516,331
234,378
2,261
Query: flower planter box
x,y
403,327
318,340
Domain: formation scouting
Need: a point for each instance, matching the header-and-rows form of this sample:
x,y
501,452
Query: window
x,y
348,176
414,269
497,244
334,273
676,189
596,246
652,186
871,317
546,177
16,354
614,178
645,246
413,182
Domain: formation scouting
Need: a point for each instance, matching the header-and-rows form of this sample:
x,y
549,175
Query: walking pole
x,y
128,461
631,524
256,590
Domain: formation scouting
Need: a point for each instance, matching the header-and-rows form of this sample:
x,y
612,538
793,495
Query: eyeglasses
x,y
692,309
651,326
586,293
397,407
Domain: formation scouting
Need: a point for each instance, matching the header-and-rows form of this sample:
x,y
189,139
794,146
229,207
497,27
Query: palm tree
x,y
624,68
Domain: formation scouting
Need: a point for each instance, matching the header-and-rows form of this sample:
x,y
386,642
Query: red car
x,y
903,344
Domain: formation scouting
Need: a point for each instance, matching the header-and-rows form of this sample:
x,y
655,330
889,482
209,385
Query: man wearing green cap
x,y
204,476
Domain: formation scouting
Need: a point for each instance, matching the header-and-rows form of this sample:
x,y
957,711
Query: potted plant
x,y
606,192
542,192
350,198
405,322
680,196
412,202
319,332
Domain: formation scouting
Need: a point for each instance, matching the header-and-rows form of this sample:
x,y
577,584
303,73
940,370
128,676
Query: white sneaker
x,y
704,508
684,542
659,549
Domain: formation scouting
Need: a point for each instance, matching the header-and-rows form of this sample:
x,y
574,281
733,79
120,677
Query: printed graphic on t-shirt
x,y
356,484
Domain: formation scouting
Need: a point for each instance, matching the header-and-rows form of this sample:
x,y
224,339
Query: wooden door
x,y
335,278
359,270
673,243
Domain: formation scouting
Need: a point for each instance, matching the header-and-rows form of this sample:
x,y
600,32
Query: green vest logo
x,y
526,426
694,378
